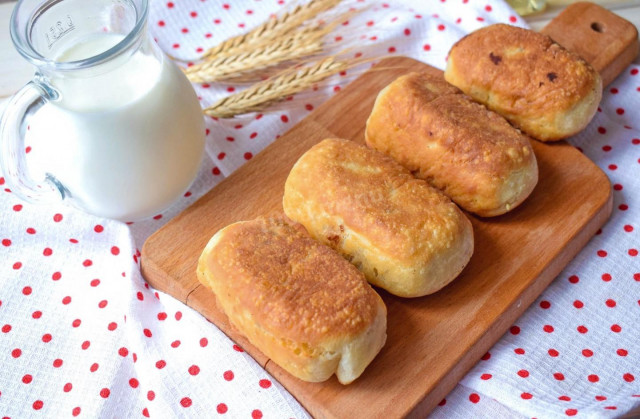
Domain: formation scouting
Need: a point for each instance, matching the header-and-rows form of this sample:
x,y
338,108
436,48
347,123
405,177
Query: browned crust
x,y
294,287
406,236
374,195
525,75
457,145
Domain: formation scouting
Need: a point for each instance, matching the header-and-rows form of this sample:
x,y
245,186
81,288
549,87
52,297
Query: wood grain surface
x,y
607,41
434,340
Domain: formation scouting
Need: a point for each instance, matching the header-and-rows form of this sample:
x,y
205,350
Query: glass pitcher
x,y
108,123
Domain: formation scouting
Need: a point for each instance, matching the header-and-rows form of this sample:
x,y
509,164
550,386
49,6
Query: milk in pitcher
x,y
124,138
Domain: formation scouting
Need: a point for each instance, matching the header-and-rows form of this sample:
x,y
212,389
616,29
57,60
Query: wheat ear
x,y
300,44
273,28
262,94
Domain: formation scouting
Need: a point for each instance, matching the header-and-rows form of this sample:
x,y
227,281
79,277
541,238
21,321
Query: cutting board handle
x,y
607,41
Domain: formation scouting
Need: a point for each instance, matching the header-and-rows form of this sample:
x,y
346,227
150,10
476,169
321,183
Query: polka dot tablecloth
x,y
83,335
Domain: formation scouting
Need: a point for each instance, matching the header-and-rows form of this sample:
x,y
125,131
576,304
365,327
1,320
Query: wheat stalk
x,y
262,94
300,44
273,28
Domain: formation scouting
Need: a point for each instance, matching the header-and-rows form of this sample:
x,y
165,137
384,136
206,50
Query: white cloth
x,y
81,333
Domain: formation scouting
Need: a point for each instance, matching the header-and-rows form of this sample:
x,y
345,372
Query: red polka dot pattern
x,y
76,294
576,340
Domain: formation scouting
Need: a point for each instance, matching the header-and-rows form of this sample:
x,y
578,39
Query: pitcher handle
x,y
13,162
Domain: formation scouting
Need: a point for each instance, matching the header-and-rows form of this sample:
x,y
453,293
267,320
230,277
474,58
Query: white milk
x,y
125,138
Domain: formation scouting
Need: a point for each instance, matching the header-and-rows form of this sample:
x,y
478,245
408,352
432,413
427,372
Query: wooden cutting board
x,y
432,341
